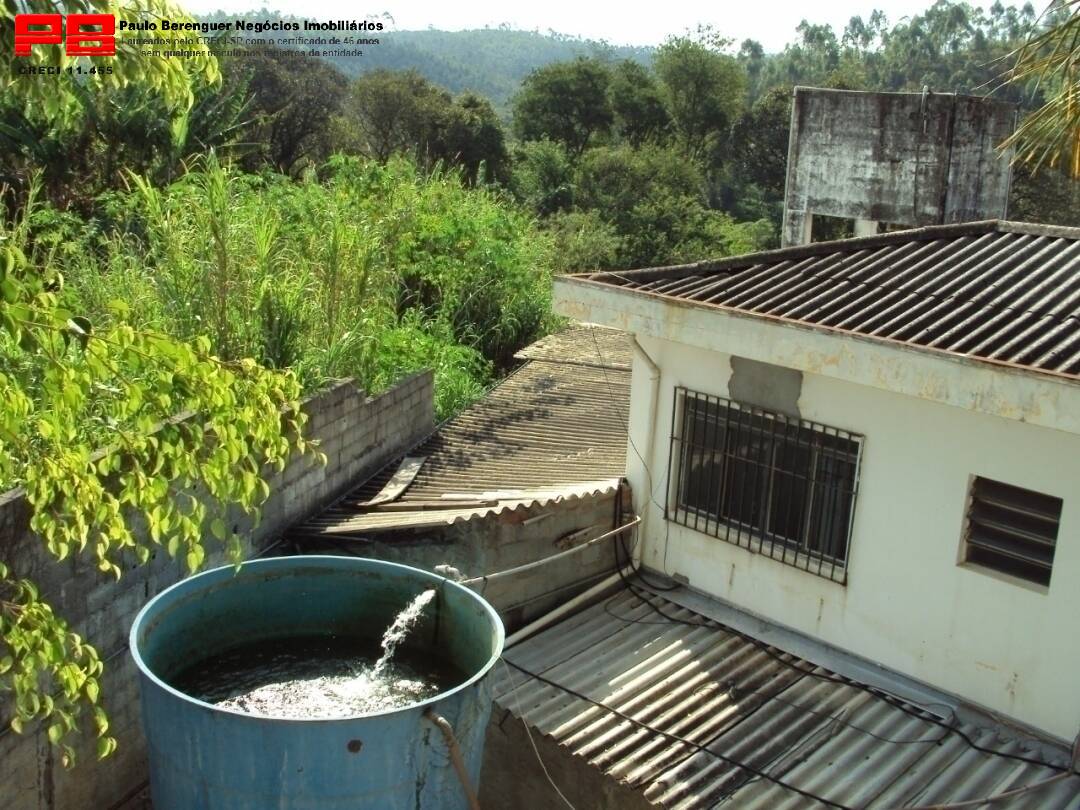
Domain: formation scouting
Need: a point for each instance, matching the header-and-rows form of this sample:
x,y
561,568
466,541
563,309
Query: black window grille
x,y
1012,530
781,486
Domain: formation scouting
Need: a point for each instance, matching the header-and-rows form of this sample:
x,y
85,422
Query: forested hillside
x,y
488,61
950,47
442,161
491,62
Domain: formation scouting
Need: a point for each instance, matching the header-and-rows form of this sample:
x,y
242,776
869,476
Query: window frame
x,y
778,433
979,556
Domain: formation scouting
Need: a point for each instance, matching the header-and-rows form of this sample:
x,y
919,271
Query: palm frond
x,y
1050,59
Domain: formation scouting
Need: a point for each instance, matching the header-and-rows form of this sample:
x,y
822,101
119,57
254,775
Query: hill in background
x,y
488,61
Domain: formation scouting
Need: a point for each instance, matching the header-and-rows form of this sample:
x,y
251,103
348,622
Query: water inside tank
x,y
322,676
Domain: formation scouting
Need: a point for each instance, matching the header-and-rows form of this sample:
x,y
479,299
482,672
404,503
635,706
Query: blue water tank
x,y
206,758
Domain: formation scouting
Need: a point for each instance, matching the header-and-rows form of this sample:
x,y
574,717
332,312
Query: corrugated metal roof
x,y
750,704
583,344
994,291
548,432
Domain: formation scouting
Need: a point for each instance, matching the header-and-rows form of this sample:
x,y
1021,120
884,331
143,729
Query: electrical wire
x,y
528,733
760,774
648,470
765,699
881,694
677,739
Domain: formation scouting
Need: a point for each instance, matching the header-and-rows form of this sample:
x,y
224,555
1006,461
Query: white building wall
x,y
908,604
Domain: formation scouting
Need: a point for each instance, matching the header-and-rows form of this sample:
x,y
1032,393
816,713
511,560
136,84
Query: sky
x,y
772,24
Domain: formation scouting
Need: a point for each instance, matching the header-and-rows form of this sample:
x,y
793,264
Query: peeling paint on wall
x,y
765,385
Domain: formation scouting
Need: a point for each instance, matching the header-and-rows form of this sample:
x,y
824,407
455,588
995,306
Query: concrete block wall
x,y
506,540
357,433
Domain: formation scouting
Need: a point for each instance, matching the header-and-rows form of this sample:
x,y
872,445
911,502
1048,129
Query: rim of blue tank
x,y
192,583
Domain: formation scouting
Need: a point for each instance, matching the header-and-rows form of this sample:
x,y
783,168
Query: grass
x,y
368,271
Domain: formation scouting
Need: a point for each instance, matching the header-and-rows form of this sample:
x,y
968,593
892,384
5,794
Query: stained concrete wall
x,y
901,158
506,540
910,603
512,776
359,434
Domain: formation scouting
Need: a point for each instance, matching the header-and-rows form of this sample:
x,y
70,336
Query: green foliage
x,y
468,134
37,645
637,102
543,177
391,112
615,179
170,79
115,130
401,113
102,421
566,102
704,88
653,200
586,241
143,352
462,372
292,105
1050,136
148,116
317,276
758,156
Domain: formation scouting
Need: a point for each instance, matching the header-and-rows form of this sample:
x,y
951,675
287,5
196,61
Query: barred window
x,y
782,486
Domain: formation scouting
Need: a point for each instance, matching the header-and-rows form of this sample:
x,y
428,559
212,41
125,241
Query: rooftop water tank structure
x,y
206,757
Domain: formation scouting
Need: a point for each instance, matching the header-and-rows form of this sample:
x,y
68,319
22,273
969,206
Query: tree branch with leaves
x,y
108,425
1050,59
175,420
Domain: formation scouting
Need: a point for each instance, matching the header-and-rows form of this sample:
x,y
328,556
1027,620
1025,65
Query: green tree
x,y
565,102
393,112
543,177
637,103
758,158
759,142
292,105
401,112
705,89
467,133
655,201
752,57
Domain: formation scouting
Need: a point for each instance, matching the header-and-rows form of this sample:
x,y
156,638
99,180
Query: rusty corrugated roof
x,y
1002,292
550,431
748,703
583,344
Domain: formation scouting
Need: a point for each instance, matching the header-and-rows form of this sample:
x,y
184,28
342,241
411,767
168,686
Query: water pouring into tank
x,y
315,682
